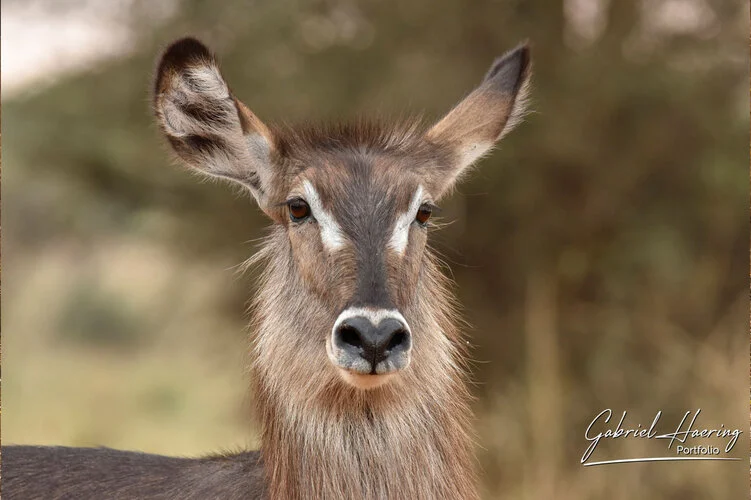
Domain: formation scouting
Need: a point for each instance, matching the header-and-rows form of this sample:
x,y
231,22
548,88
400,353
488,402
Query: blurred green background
x,y
601,254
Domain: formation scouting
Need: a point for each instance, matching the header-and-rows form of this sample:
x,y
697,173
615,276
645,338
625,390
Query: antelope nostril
x,y
399,338
369,346
350,335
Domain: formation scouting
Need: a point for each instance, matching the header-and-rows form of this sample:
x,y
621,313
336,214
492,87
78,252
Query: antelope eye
x,y
298,209
423,214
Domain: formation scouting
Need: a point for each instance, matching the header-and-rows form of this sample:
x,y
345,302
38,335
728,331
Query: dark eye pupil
x,y
298,209
423,214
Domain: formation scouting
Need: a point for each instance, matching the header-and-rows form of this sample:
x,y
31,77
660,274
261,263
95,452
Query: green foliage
x,y
94,318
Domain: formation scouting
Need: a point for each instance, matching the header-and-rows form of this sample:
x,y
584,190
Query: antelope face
x,y
357,224
355,202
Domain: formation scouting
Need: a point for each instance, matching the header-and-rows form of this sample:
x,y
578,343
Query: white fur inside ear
x,y
331,233
176,123
207,80
400,235
204,88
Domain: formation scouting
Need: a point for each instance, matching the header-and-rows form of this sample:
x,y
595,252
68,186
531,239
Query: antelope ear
x,y
210,129
481,119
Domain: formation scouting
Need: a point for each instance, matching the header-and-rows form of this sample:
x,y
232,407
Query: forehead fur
x,y
405,138
383,160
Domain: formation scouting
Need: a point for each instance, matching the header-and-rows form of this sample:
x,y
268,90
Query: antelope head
x,y
351,208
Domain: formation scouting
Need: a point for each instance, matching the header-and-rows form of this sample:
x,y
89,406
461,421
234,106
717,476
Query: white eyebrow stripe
x,y
400,236
331,234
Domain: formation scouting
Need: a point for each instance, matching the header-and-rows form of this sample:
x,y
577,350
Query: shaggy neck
x,y
320,438
424,453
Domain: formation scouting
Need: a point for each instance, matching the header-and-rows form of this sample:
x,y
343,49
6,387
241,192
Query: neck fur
x,y
320,438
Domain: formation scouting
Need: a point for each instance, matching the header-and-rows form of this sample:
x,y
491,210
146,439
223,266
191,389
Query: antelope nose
x,y
383,346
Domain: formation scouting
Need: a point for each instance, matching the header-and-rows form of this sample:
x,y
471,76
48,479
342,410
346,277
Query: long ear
x,y
211,130
481,119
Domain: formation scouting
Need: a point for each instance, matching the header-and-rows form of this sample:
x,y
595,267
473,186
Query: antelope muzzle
x,y
370,345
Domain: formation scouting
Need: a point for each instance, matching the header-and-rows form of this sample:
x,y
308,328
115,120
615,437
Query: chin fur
x,y
365,382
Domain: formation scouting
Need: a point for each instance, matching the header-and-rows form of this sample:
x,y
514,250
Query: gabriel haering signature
x,y
683,451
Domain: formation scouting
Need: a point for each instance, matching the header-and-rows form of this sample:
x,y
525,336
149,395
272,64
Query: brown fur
x,y
324,439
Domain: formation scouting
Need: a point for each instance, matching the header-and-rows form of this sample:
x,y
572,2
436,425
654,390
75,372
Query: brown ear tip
x,y
525,55
180,54
509,71
525,51
184,52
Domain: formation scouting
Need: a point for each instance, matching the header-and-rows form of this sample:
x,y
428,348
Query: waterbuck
x,y
358,366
